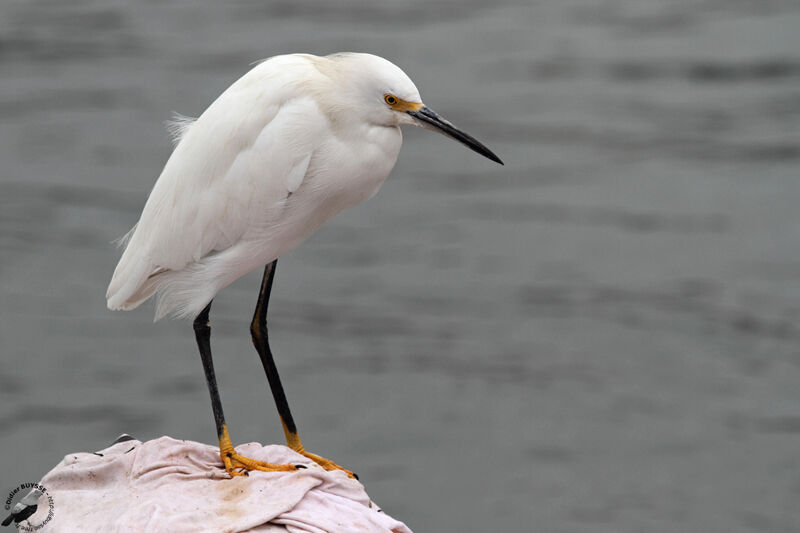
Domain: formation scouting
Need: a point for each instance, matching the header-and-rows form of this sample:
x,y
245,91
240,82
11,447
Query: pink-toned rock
x,y
175,486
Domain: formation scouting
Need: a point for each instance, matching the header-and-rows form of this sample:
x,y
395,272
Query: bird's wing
x,y
237,163
206,200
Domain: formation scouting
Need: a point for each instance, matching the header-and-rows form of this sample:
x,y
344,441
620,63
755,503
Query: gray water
x,y
601,336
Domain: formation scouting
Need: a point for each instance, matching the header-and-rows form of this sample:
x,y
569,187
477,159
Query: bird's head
x,y
388,97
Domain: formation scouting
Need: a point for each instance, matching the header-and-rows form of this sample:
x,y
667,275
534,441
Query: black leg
x,y
258,330
232,461
202,332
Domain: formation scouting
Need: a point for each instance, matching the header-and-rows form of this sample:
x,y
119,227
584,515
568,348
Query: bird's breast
x,y
341,173
352,170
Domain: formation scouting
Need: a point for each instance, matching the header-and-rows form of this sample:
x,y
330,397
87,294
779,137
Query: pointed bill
x,y
430,119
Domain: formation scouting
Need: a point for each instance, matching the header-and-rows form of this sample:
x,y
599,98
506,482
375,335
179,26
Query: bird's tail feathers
x,y
184,293
130,285
180,293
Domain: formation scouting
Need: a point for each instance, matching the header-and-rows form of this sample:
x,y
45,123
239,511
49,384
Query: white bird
x,y
291,143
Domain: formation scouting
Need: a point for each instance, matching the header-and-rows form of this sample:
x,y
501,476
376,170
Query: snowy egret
x,y
290,144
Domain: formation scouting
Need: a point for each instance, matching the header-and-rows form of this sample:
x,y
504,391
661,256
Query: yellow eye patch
x,y
398,104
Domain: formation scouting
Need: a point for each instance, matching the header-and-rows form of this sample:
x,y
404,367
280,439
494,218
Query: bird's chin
x,y
425,125
404,119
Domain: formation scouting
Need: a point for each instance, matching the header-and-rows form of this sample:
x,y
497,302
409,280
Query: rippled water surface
x,y
600,336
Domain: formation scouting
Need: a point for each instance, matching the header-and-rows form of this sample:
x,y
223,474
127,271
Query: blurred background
x,y
601,336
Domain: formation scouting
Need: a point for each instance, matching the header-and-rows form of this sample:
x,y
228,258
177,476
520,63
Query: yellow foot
x,y
293,442
327,464
239,465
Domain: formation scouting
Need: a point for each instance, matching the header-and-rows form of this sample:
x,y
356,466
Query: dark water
x,y
601,336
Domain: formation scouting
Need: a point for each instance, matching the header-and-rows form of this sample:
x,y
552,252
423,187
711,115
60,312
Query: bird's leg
x,y
258,330
231,459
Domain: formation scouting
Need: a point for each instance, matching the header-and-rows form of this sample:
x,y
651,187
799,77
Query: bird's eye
x,y
389,99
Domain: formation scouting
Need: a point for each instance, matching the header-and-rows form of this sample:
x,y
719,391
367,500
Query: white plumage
x,y
287,146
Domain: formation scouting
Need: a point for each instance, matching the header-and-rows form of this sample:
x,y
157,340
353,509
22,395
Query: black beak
x,y
430,119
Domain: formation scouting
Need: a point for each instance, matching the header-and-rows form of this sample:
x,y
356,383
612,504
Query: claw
x,y
327,464
239,465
